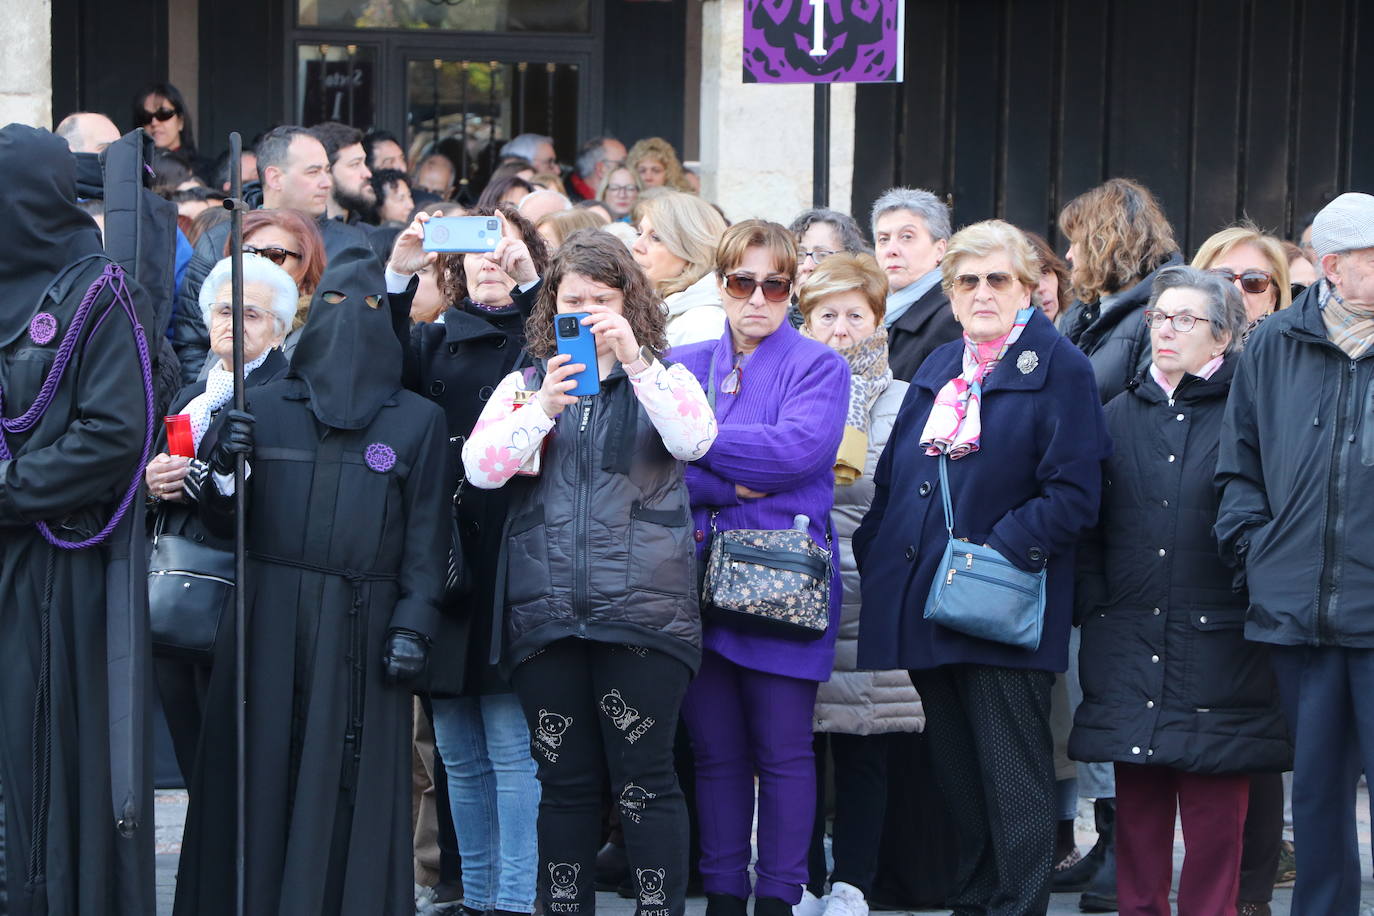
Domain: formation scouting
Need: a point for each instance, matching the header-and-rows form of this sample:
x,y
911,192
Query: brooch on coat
x,y
1027,362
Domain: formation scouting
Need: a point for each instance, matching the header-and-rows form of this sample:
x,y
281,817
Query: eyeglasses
x,y
621,189
733,380
274,254
742,286
162,114
997,281
1252,281
817,256
1183,323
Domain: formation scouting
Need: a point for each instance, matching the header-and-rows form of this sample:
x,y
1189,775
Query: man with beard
x,y
77,413
353,199
347,539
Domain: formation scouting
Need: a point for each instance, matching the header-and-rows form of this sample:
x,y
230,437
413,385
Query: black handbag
x,y
189,586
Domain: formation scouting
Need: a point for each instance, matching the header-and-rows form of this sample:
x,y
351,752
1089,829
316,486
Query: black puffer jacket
x,y
1114,336
1168,676
602,554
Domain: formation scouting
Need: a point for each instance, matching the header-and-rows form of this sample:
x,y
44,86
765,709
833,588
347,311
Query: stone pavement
x,y
171,812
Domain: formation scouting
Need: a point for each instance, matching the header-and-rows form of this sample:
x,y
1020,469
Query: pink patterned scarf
x,y
954,425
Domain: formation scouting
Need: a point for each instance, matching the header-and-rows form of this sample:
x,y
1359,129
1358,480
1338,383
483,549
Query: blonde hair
x,y
843,273
690,228
757,233
662,150
1247,233
550,182
563,223
988,237
1121,235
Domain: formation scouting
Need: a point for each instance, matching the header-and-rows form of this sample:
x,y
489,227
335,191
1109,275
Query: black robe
x,y
71,471
346,534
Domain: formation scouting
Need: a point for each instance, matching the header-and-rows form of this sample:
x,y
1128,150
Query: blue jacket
x,y
1029,491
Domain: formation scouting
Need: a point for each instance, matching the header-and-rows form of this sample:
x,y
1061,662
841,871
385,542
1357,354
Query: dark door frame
x,y
397,47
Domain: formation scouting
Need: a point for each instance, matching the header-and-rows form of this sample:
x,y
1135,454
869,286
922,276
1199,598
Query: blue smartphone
x,y
575,339
462,233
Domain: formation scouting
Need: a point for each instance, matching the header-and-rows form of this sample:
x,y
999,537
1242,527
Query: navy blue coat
x,y
1029,491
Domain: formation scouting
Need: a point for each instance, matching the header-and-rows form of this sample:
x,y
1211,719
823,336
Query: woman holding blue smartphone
x,y
601,624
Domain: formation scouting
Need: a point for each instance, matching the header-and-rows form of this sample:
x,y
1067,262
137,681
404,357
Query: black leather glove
x,y
405,656
235,438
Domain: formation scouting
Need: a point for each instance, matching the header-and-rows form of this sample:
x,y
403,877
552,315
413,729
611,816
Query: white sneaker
x,y
810,905
845,900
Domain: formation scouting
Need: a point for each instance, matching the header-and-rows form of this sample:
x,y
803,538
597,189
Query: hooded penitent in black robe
x,y
346,534
67,476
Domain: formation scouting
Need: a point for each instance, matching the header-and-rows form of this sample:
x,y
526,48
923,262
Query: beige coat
x,y
857,702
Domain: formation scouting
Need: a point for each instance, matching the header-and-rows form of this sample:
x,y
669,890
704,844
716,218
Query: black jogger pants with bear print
x,y
596,710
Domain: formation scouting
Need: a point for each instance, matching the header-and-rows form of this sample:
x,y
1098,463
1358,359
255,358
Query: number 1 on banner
x,y
818,29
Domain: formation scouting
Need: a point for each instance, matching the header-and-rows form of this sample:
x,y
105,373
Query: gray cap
x,y
1345,224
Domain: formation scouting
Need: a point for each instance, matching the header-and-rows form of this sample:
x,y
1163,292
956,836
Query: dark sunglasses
x,y
997,281
277,256
162,114
742,286
1252,281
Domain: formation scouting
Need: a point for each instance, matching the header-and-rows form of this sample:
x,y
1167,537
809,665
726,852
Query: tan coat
x,y
857,702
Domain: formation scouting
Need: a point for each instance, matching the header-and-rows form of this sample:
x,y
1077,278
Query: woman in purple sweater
x,y
781,401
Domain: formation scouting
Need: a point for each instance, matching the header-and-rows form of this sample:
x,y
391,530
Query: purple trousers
x,y
746,724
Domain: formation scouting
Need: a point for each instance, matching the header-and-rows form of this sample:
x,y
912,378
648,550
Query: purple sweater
x,y
779,436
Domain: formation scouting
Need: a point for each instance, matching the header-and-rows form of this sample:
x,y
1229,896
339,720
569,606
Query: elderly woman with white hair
x,y
269,306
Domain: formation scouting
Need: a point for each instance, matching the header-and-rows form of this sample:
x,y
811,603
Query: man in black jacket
x,y
1296,468
910,231
293,169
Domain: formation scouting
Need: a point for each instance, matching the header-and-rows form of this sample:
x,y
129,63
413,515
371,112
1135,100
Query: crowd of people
x,y
509,643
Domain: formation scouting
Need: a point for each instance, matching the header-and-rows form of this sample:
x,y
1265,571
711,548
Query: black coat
x,y
926,325
1114,336
1168,676
1296,470
344,545
456,365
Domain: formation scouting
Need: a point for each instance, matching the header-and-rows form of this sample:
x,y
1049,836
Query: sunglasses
x,y
1182,323
742,286
277,256
162,114
1252,281
997,281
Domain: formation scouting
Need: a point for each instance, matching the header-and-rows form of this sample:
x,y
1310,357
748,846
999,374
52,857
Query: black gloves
x,y
405,656
235,438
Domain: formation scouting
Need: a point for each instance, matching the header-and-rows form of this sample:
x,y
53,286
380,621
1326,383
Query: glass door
x,y
467,109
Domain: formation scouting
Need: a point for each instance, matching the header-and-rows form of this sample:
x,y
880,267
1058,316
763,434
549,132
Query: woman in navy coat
x,y
1016,408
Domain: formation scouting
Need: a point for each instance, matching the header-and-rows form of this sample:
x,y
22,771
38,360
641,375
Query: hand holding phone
x,y
558,381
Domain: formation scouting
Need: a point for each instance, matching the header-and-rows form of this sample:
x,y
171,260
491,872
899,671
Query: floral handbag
x,y
772,582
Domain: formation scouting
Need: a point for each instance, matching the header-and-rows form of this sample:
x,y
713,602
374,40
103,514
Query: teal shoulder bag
x,y
979,593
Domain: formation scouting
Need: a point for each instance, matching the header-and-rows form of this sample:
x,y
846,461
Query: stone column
x,y
26,65
756,138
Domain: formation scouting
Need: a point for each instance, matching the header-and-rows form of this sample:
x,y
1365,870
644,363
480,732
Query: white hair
x,y
256,269
525,146
539,194
918,202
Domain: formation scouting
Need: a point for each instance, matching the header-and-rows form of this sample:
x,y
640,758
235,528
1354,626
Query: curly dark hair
x,y
453,280
601,257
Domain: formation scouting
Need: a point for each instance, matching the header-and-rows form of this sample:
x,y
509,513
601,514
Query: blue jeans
x,y
485,746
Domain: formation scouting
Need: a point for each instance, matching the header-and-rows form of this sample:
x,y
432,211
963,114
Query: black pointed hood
x,y
348,354
43,230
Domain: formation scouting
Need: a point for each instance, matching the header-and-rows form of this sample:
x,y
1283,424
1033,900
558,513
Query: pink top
x,y
506,436
1205,372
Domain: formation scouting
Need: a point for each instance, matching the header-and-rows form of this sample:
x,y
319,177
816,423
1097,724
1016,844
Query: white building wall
x,y
756,139
26,64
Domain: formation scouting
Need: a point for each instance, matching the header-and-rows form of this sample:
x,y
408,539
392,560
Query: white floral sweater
x,y
513,424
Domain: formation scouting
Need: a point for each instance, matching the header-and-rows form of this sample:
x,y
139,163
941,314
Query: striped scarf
x,y
1349,328
954,426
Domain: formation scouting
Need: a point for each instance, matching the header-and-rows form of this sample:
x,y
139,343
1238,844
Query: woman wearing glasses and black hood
x,y
346,547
